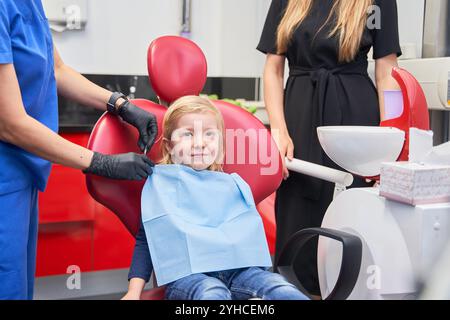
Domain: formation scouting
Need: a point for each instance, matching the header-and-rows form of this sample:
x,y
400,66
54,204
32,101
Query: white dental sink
x,y
359,149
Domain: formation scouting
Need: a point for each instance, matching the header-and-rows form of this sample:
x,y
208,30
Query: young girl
x,y
193,143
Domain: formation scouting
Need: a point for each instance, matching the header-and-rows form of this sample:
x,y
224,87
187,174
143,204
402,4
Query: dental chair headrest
x,y
176,67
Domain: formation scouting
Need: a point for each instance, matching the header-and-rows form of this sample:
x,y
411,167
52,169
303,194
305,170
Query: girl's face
x,y
196,140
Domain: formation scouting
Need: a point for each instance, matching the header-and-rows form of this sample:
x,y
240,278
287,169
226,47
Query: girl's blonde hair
x,y
186,105
351,18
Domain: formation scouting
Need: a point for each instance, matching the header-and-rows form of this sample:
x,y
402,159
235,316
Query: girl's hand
x,y
131,296
135,288
286,148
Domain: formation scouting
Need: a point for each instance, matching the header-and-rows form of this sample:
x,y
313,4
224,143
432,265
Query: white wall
x,y
410,23
118,33
228,31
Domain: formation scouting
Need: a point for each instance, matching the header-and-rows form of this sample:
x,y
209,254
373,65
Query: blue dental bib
x,y
200,221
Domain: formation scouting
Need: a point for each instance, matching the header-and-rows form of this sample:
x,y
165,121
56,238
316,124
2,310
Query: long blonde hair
x,y
186,105
351,20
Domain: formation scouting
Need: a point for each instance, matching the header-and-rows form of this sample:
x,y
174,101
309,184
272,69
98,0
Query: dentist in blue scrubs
x,y
31,75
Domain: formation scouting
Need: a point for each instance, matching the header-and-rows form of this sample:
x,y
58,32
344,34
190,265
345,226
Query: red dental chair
x,y
177,67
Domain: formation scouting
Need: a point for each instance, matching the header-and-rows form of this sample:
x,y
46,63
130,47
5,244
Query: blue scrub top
x,y
26,42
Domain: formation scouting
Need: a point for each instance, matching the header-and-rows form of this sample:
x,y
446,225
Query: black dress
x,y
321,91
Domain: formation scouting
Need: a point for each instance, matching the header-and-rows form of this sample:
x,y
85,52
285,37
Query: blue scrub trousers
x,y
18,240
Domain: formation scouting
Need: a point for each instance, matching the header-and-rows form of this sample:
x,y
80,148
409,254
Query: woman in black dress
x,y
328,84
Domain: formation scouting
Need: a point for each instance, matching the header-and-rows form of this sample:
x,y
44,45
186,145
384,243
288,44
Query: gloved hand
x,y
126,166
144,121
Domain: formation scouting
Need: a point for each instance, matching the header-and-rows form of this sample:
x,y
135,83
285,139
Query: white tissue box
x,y
415,183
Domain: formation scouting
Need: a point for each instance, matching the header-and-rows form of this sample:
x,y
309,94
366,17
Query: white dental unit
x,y
399,242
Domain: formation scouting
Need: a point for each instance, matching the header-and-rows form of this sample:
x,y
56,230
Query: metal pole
x,y
186,19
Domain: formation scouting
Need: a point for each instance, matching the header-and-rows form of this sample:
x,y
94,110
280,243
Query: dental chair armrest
x,y
350,265
338,177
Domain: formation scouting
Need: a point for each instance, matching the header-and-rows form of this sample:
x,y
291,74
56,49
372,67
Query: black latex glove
x,y
144,121
126,166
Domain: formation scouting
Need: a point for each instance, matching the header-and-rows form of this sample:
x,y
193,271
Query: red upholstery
x,y
415,108
176,67
266,209
257,154
111,136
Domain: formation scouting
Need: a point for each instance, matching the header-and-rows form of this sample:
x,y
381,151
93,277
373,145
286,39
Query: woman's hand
x,y
127,166
384,79
145,123
286,148
274,100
